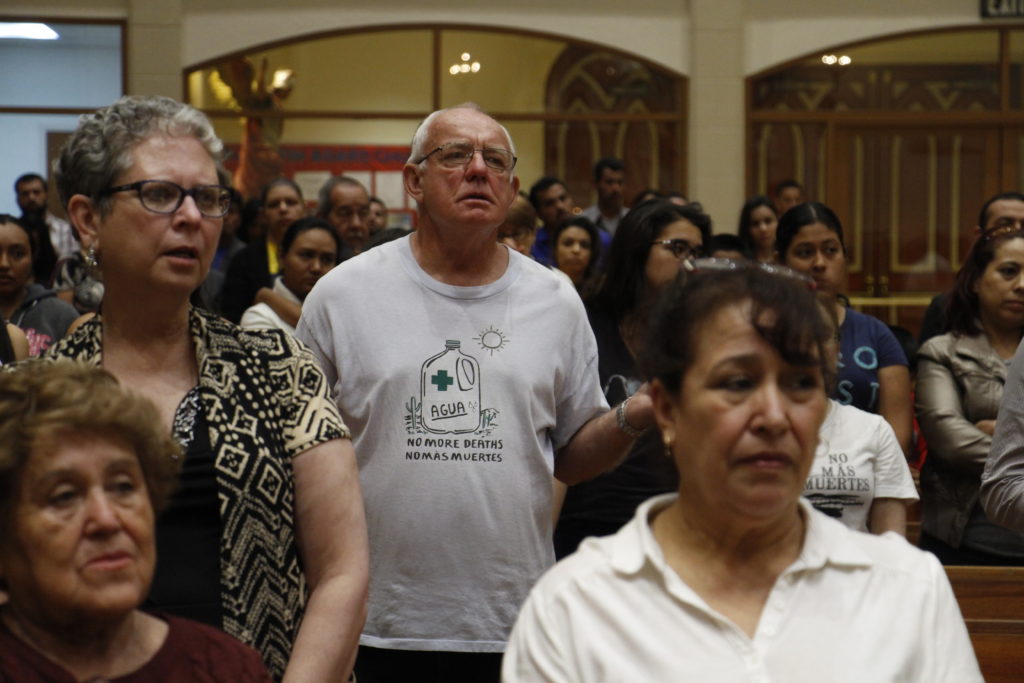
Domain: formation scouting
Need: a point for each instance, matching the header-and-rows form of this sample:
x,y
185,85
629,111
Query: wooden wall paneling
x,y
848,180
568,149
584,81
1010,178
909,153
784,150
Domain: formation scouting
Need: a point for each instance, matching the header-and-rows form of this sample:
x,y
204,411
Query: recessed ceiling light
x,y
27,31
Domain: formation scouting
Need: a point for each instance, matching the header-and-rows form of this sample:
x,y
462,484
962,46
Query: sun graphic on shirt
x,y
492,339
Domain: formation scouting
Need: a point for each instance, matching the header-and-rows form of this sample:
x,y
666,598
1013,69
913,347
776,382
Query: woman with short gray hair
x,y
269,504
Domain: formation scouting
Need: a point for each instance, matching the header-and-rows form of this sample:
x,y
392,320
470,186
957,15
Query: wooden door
x,y
620,107
909,197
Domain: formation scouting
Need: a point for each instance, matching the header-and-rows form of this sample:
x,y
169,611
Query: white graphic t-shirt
x,y
457,398
858,459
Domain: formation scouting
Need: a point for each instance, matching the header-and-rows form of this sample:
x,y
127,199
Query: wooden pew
x,y
992,602
989,592
999,647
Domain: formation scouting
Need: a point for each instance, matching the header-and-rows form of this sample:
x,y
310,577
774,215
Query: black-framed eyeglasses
x,y
165,197
712,265
680,248
456,154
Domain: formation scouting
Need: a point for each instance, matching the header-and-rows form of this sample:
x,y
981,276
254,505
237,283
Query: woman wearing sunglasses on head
x,y
735,577
265,538
651,243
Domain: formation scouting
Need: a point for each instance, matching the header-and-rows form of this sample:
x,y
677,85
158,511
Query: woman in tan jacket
x,y
960,383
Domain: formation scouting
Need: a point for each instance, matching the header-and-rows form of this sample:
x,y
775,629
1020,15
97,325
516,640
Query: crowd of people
x,y
299,443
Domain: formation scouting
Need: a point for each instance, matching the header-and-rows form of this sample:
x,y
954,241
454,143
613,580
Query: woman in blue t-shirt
x,y
873,373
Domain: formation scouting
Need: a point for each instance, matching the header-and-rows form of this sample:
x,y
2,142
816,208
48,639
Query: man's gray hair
x,y
419,139
101,147
324,197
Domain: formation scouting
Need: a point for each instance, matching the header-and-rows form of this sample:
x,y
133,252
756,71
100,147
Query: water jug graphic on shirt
x,y
450,392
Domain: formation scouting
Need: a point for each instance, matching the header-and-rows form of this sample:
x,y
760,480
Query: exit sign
x,y
1002,9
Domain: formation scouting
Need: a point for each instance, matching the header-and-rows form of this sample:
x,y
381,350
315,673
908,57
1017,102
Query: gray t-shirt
x,y
458,398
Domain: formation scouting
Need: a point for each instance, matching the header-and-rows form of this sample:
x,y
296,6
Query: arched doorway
x,y
358,92
905,137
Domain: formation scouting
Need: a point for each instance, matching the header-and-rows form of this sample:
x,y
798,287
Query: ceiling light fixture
x,y
27,31
832,60
465,66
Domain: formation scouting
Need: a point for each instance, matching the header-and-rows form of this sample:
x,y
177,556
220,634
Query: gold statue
x,y
260,159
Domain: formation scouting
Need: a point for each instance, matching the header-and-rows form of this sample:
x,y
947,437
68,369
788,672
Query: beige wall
x,y
716,109
717,43
653,28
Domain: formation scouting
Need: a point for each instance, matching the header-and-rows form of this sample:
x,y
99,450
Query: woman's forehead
x,y
816,232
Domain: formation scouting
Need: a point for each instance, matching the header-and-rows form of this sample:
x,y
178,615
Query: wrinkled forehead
x,y
468,124
345,194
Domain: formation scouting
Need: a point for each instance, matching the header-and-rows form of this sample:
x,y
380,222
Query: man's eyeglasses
x,y
457,154
165,197
680,248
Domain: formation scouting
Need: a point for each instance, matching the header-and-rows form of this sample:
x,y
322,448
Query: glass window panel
x,y
24,137
372,71
947,71
512,75
80,69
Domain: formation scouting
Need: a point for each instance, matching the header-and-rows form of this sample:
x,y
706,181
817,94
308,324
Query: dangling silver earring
x,y
668,448
90,257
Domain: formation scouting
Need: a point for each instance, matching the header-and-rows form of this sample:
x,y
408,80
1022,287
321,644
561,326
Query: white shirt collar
x,y
634,545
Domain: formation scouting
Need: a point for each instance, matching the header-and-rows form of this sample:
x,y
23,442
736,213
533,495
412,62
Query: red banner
x,y
335,159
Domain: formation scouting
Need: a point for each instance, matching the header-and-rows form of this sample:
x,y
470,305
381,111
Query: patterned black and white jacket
x,y
266,401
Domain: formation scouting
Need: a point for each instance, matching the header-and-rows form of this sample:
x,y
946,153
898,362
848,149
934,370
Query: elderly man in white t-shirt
x,y
468,374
